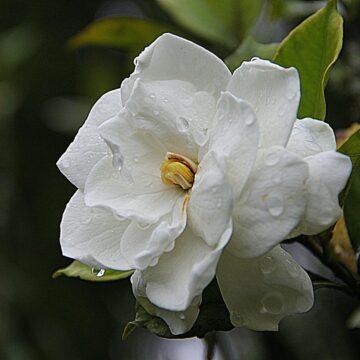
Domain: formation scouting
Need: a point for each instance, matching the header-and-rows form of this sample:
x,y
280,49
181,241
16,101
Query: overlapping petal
x,y
271,204
92,236
109,188
143,245
274,94
182,274
170,57
309,137
179,322
235,137
266,289
88,147
211,201
329,172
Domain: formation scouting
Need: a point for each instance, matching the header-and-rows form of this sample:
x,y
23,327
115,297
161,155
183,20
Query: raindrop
x,y
272,158
182,316
237,318
100,273
267,265
273,303
117,161
275,204
292,269
182,124
249,120
143,225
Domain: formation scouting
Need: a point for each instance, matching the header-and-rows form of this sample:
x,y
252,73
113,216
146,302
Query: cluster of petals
x,y
261,176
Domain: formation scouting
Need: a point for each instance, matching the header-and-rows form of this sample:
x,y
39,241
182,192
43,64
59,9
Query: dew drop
x,y
237,318
143,225
117,161
100,273
267,265
292,269
272,158
182,316
249,120
182,124
275,204
272,303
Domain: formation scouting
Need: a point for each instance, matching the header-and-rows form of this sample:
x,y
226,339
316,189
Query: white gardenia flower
x,y
189,172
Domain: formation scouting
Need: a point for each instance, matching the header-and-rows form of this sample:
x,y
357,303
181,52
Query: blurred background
x,y
47,87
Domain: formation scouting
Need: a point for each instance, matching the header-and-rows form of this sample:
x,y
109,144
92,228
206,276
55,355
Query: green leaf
x,y
213,315
247,50
350,197
224,22
312,48
120,32
78,270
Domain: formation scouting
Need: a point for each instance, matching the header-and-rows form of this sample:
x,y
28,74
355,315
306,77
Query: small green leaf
x,y
224,22
312,48
247,50
350,197
78,270
120,32
213,316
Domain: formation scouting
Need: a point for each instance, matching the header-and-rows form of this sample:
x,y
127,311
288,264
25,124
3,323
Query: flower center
x,y
178,170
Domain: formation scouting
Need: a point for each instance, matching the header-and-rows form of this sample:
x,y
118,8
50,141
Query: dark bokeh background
x,y
45,93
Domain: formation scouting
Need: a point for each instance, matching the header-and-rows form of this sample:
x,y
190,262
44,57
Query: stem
x,y
210,339
322,251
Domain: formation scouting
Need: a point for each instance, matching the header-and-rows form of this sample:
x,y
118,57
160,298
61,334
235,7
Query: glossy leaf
x,y
248,49
213,316
351,195
312,48
78,270
120,32
224,22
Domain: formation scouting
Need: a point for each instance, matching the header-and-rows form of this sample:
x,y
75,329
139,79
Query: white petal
x,y
182,274
173,58
174,113
235,136
211,201
329,172
271,204
260,291
108,188
88,147
179,322
142,246
274,94
92,236
138,152
310,137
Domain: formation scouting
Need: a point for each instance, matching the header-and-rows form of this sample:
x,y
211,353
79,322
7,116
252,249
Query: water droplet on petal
x,y
272,158
156,112
182,124
117,161
182,316
100,273
152,96
143,225
292,269
273,303
267,265
249,119
275,204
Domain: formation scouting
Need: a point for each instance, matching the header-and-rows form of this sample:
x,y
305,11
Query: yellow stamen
x,y
178,170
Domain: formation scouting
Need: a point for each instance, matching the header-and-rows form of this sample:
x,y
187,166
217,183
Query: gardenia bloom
x,y
189,172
